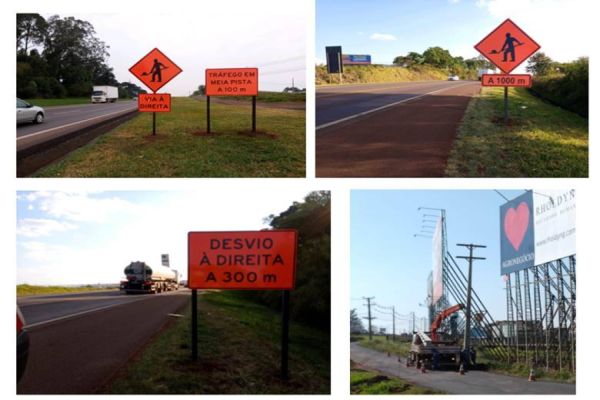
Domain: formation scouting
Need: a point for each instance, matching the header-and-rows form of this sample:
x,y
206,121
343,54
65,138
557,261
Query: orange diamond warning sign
x,y
154,102
155,70
507,46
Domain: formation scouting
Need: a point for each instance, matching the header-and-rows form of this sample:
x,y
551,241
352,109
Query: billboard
x,y
356,59
334,59
437,277
256,260
536,228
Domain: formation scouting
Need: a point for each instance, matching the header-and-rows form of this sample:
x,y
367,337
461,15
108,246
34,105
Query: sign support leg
x,y
194,325
506,105
253,114
207,114
285,327
153,123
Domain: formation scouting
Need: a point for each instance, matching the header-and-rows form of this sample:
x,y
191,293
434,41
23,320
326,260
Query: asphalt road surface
x,y
78,341
473,382
389,130
61,120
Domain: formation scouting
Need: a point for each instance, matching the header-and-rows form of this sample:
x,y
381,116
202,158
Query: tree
x,y
356,324
411,59
31,30
540,64
438,57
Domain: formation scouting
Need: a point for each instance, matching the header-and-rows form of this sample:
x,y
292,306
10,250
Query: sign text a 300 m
x,y
255,260
231,82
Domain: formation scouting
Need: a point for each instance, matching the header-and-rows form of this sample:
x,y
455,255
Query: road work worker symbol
x,y
155,70
507,46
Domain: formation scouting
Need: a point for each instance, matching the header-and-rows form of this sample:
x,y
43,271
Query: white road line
x,y
71,124
80,313
384,107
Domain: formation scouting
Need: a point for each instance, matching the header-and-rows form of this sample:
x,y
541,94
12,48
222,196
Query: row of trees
x,y
438,57
58,57
564,84
310,301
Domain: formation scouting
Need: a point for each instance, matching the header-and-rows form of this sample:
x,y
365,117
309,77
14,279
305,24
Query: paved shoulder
x,y
473,382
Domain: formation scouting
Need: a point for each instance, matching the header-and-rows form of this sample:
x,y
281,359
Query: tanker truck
x,y
141,278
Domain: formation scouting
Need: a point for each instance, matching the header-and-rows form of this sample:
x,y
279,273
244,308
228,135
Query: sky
x,y
388,28
391,264
266,34
68,238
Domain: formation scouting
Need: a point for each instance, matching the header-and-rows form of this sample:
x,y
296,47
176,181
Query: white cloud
x,y
382,36
561,27
453,1
36,227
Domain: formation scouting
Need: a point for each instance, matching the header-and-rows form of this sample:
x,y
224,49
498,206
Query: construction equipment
x,y
429,349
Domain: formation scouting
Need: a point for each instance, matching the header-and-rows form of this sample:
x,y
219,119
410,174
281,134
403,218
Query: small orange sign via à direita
x,y
154,102
256,260
231,82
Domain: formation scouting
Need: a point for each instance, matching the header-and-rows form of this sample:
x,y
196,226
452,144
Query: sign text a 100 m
x,y
242,260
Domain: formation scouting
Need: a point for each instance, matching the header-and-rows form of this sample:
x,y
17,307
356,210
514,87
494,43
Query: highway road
x,y
78,341
61,120
473,382
388,129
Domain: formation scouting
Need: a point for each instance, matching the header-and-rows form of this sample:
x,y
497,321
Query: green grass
x,y
379,343
178,150
59,102
32,290
522,370
273,97
378,74
238,354
542,140
372,382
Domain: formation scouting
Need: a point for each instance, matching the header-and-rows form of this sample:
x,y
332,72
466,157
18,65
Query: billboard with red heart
x,y
517,236
536,228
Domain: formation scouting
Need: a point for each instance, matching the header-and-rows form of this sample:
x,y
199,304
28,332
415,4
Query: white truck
x,y
141,278
105,94
486,71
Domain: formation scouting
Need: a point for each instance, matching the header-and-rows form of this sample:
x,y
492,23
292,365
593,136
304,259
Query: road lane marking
x,y
73,123
325,125
402,85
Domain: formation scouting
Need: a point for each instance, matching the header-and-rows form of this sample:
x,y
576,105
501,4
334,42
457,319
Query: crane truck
x,y
141,278
431,349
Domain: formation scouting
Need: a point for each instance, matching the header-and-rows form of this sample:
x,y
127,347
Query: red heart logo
x,y
516,222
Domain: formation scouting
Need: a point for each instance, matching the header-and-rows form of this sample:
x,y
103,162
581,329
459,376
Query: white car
x,y
453,78
29,113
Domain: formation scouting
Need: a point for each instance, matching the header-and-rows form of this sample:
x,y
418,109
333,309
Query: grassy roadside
x,y
32,290
180,149
272,97
378,74
59,102
238,354
363,381
541,141
522,370
379,343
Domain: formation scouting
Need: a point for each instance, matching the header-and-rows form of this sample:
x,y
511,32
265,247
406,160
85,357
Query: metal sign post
x,y
253,114
506,105
207,114
285,329
194,324
153,124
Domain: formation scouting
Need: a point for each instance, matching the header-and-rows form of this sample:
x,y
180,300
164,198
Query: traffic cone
x,y
461,369
531,375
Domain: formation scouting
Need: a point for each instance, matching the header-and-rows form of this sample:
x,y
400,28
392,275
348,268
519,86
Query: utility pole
x,y
369,317
393,324
467,336
413,322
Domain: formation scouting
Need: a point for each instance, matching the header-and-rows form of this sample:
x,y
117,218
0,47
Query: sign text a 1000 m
x,y
242,260
232,82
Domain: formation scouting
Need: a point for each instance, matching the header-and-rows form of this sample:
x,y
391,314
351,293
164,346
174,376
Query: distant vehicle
x,y
483,71
141,278
22,345
453,78
105,94
29,113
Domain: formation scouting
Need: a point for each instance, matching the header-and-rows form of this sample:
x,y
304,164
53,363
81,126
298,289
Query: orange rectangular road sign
x,y
255,260
507,46
515,80
232,82
154,102
155,70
